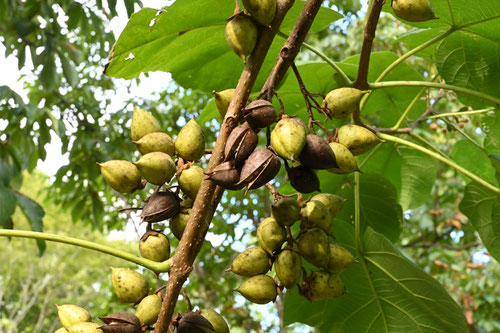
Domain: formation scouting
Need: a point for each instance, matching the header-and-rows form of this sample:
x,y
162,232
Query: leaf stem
x,y
430,145
451,114
410,106
357,214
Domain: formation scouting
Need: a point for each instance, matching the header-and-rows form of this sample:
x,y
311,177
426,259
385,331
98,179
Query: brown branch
x,y
426,245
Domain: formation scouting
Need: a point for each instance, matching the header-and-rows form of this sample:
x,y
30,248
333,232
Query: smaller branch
x,y
426,245
458,114
465,135
357,214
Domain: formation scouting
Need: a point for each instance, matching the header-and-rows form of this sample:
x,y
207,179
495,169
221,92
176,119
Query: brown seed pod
x,y
317,154
226,175
260,167
121,322
192,322
160,206
241,143
260,113
303,179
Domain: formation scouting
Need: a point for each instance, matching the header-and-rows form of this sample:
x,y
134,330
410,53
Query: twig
x,y
426,245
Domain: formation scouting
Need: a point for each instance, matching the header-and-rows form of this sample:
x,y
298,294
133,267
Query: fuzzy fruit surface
x,y
270,235
326,285
252,261
130,286
178,224
340,258
155,247
260,289
413,10
84,327
217,321
288,138
262,11
345,159
148,309
241,35
158,168
342,102
122,176
333,202
70,314
190,180
157,141
357,139
316,214
288,268
223,99
286,211
143,123
190,142
314,247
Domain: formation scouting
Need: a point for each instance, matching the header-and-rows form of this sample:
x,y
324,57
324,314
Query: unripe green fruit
x,y
178,224
316,214
288,268
345,159
333,202
157,141
70,314
158,168
289,137
217,321
190,180
286,211
252,261
130,286
61,330
340,258
84,327
241,35
155,247
342,102
122,176
314,247
413,10
223,99
190,143
357,138
260,289
262,11
148,309
143,123
270,235
325,285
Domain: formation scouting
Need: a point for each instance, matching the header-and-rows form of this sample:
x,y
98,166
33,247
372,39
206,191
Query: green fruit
x,y
345,159
70,314
217,321
158,168
155,247
122,176
316,214
270,235
413,10
61,330
288,268
190,143
325,285
289,137
260,289
190,180
333,202
143,123
314,247
342,102
340,258
241,35
357,138
84,327
262,11
252,261
130,286
286,211
157,141
223,99
148,309
178,224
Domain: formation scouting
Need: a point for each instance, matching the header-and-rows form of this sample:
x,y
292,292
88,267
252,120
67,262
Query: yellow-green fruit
x,y
316,214
260,289
262,11
314,247
190,143
357,138
122,176
143,123
158,168
342,102
190,180
70,314
178,224
345,159
148,309
241,35
286,211
84,327
130,286
340,258
155,247
270,235
325,285
252,261
333,202
157,141
61,330
288,268
289,137
413,10
223,99
217,321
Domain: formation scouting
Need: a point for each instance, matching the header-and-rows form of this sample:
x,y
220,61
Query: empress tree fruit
x,y
178,224
316,214
252,261
154,246
260,289
341,102
325,285
157,141
192,322
158,168
345,159
121,322
357,138
70,314
413,10
288,268
84,327
240,144
340,258
217,321
190,142
317,154
262,11
226,175
333,202
289,137
143,123
314,247
160,206
270,235
260,113
260,167
130,286
190,180
148,309
286,211
223,99
122,176
303,179
241,35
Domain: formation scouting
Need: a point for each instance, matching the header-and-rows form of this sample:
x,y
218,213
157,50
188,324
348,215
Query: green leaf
x,y
48,76
34,213
8,204
69,70
492,140
474,159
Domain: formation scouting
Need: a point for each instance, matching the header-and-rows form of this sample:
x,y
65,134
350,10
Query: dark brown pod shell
x,y
303,179
193,322
241,143
121,322
260,113
317,153
260,167
160,206
226,176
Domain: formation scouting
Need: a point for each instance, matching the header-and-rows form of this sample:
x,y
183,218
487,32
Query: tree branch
x,y
426,245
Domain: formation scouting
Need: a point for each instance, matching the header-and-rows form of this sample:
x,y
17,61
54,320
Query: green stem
x,y
465,135
357,214
157,267
442,159
372,152
412,104
430,145
451,114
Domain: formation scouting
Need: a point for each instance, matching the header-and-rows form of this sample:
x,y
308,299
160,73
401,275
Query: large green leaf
x,y
492,140
474,159
34,213
8,203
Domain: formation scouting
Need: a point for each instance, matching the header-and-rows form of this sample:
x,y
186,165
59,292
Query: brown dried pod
x,y
260,113
260,167
226,175
303,179
121,322
241,143
317,154
160,206
193,322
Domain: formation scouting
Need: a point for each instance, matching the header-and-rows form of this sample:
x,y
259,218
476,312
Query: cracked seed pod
x,y
316,214
154,246
345,159
333,202
190,142
317,154
160,206
223,99
289,137
288,268
143,123
324,285
341,102
158,168
260,167
340,258
130,286
61,330
357,139
226,175
260,113
122,176
286,211
84,327
303,179
240,144
190,180
260,289
121,322
413,10
314,247
148,309
70,314
241,35
252,261
270,235
178,224
218,322
193,322
262,11
157,141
